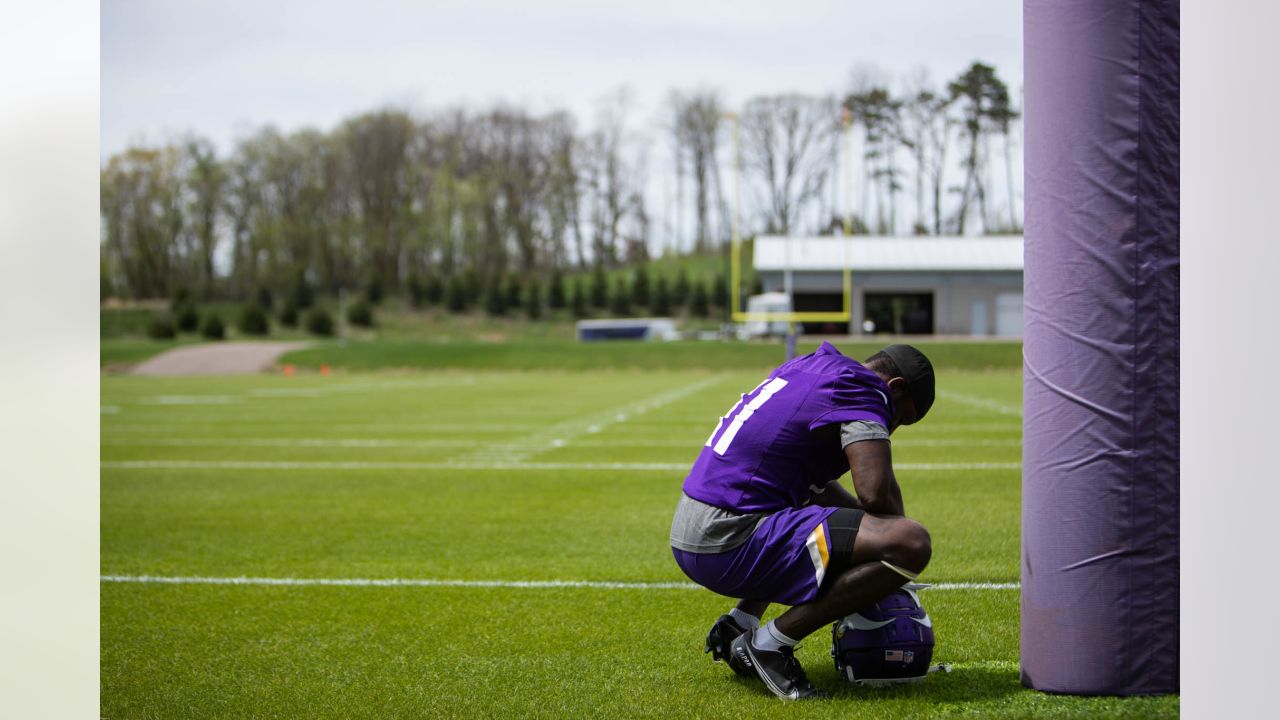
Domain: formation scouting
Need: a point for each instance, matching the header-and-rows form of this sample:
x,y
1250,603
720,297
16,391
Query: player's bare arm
x,y
871,464
835,495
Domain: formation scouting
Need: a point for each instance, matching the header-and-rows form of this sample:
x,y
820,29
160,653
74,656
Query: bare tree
x,y
696,130
205,180
243,204
925,134
612,183
470,196
562,188
787,143
378,144
143,213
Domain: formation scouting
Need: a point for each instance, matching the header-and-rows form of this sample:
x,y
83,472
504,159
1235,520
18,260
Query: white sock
x,y
771,639
743,619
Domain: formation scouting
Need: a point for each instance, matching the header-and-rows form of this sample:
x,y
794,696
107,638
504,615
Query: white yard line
x,y
276,423
980,402
929,428
691,443
560,434
958,442
433,582
191,400
390,465
959,466
468,465
294,442
308,391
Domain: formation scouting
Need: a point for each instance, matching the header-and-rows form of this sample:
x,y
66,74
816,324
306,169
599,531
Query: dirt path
x,y
232,358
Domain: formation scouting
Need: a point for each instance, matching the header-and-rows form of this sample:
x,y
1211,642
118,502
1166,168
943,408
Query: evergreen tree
x,y
698,305
361,314
680,293
187,317
456,294
720,291
289,314
181,297
599,288
514,292
264,296
640,287
433,290
300,293
495,302
578,300
472,287
555,293
319,322
416,291
212,328
661,298
253,320
533,300
620,299
373,290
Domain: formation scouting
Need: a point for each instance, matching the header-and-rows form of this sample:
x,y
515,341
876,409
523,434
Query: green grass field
x,y
492,479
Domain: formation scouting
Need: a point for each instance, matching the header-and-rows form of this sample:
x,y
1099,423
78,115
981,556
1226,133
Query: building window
x,y
899,313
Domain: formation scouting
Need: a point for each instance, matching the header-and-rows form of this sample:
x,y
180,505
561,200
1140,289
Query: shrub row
x,y
253,320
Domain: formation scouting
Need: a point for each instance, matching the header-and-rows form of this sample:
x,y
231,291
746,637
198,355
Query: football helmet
x,y
890,642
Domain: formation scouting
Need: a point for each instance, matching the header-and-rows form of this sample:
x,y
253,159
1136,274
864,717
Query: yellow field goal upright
x,y
845,314
735,291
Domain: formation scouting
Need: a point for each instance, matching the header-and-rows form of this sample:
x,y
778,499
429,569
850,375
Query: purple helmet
x,y
889,642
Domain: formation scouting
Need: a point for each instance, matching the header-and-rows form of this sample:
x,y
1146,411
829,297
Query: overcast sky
x,y
220,68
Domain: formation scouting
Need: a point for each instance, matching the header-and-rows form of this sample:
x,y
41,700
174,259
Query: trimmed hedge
x,y
253,320
162,327
213,328
319,322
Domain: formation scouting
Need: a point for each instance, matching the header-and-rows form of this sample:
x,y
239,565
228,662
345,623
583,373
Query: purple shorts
x,y
786,559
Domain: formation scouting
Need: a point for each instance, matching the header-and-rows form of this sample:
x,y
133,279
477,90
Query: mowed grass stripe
x,y
435,582
476,649
389,442
222,651
543,525
463,465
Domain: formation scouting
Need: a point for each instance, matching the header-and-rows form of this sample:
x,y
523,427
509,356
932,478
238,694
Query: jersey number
x,y
766,390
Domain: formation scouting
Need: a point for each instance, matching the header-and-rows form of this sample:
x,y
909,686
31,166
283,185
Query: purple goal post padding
x,y
1100,428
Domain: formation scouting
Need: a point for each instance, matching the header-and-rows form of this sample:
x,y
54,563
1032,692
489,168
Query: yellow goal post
x,y
845,314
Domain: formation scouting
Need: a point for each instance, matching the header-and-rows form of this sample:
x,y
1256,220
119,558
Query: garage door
x,y
1009,314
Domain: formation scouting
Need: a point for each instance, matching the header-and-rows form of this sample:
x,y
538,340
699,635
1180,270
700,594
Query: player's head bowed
x,y
909,374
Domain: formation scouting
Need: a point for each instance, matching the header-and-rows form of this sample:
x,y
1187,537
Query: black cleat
x,y
723,633
780,671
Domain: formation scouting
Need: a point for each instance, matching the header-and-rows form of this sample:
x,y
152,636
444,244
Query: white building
x,y
901,285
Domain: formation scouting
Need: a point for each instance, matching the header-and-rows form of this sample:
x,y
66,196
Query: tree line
x,y
474,200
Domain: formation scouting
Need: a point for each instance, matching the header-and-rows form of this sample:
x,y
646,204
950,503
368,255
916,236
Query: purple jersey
x,y
769,450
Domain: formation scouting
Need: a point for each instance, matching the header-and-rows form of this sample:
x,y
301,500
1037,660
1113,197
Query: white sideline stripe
x,y
959,466
434,582
133,439
294,442
241,423
558,435
190,400
980,402
383,441
322,465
